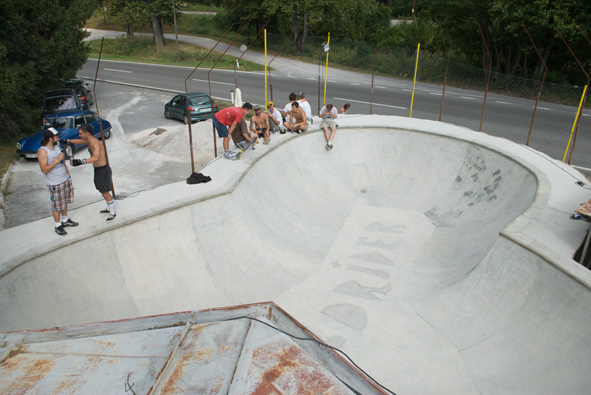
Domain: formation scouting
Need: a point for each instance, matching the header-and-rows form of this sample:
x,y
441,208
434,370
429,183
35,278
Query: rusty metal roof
x,y
201,352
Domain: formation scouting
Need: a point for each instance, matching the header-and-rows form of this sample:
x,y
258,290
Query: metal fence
x,y
556,110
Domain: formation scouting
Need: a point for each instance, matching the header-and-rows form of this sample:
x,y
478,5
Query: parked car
x,y
79,81
66,122
199,106
60,100
84,95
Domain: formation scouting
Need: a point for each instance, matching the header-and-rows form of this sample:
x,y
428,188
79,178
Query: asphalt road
x,y
506,117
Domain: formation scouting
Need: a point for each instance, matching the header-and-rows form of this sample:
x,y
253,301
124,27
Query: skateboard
x,y
235,155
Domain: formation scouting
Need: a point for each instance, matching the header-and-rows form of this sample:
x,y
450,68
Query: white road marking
x,y
214,82
466,97
119,71
365,102
503,102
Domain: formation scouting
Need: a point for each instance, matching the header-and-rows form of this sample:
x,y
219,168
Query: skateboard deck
x,y
235,155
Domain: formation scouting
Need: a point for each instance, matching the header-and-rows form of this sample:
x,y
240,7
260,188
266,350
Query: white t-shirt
x,y
306,107
286,110
332,115
277,115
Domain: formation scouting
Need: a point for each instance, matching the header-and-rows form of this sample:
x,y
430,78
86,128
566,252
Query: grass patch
x,y
142,49
7,156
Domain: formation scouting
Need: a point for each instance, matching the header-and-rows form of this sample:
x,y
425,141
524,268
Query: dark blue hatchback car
x,y
66,122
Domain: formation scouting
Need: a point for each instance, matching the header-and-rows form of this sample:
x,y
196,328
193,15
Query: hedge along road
x,y
507,117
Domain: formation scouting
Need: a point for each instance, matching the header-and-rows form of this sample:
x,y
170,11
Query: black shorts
x,y
103,178
261,132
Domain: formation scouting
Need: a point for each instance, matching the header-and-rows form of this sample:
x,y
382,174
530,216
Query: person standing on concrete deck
x,y
328,114
231,117
102,171
57,178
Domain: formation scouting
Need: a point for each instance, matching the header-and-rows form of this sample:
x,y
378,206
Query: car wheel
x,y
186,119
69,150
107,133
166,113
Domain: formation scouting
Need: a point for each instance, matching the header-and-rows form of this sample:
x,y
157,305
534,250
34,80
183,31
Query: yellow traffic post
x,y
415,80
575,123
326,70
265,68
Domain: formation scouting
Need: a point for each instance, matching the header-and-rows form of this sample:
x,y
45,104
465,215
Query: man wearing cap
x,y
305,106
57,178
275,118
259,124
231,117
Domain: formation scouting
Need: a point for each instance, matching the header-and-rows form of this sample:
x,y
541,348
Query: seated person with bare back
x,y
241,136
102,171
259,124
296,119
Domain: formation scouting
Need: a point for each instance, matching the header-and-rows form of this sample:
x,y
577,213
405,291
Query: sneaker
x,y
267,141
327,146
61,231
111,217
105,211
69,222
297,131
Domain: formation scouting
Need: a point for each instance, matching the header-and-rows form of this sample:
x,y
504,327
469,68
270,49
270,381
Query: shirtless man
x,y
102,171
259,124
297,119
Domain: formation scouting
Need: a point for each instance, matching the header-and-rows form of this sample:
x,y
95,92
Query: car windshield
x,y
60,122
60,103
199,100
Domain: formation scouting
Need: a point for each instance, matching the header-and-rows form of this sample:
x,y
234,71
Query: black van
x,y
59,100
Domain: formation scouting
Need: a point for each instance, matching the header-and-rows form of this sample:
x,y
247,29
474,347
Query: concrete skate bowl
x,y
390,242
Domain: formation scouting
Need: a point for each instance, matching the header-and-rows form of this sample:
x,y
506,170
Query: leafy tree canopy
x,y
40,47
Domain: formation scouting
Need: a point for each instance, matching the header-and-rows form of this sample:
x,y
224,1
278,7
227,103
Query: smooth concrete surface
x,y
438,258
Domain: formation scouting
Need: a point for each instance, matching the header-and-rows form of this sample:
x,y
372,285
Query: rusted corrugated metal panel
x,y
206,360
272,363
209,352
94,365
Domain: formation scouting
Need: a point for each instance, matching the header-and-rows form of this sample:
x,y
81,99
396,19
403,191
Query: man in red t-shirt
x,y
231,117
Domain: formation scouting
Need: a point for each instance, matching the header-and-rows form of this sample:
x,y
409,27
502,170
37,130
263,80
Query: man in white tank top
x,y
57,178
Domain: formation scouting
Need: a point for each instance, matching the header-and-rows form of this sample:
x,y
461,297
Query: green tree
x,y
40,47
130,14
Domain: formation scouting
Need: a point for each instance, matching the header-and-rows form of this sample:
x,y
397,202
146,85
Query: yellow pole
x,y
415,80
326,71
265,105
574,123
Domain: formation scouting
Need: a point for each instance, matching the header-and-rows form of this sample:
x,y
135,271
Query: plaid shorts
x,y
61,194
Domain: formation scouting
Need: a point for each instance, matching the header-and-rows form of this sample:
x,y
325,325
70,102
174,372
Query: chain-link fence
x,y
510,100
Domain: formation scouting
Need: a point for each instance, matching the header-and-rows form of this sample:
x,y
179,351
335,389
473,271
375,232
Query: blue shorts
x,y
220,127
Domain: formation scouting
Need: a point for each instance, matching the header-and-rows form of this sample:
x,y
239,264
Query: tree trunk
x,y
297,38
129,30
306,28
158,33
